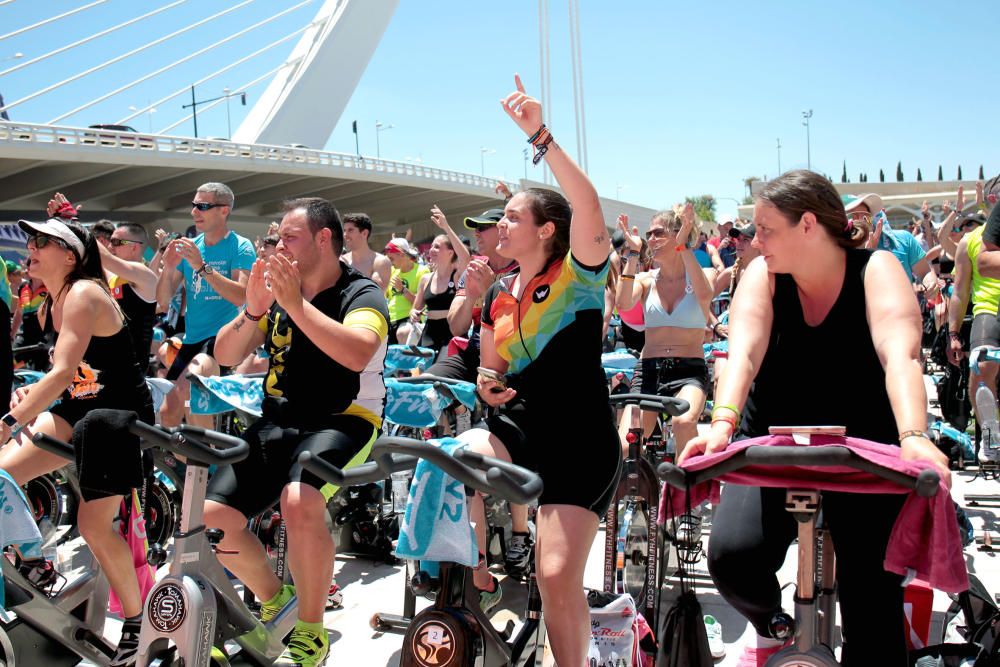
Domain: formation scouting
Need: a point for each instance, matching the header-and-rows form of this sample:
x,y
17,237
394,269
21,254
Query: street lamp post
x,y
194,104
779,156
483,151
150,110
618,190
379,128
525,164
807,115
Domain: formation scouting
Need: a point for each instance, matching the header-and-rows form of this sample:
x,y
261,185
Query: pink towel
x,y
925,539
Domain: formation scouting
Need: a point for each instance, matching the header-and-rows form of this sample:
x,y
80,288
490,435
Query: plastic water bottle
x,y
48,532
989,423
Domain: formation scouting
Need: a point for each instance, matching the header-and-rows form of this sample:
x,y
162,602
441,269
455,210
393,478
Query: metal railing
x,y
13,133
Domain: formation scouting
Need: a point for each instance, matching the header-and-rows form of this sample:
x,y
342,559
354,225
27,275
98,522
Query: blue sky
x,y
681,98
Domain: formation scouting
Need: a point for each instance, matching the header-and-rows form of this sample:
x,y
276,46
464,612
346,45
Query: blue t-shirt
x,y
904,246
207,311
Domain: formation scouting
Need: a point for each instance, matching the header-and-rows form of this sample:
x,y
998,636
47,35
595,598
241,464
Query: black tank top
x,y
139,318
827,375
108,376
443,300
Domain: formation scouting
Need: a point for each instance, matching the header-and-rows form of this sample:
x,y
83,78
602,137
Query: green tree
x,y
899,171
981,173
959,172
940,174
920,176
843,175
748,184
881,176
704,207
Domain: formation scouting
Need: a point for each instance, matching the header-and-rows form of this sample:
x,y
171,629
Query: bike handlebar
x,y
483,473
54,445
413,351
190,442
926,483
434,379
672,406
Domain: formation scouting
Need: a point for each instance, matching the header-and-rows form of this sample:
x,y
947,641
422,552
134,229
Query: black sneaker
x,y
128,645
518,554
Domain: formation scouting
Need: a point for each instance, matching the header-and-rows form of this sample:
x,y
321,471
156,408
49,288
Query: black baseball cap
x,y
748,230
490,217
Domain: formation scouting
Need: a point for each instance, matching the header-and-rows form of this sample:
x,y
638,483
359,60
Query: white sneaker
x,y
714,631
989,452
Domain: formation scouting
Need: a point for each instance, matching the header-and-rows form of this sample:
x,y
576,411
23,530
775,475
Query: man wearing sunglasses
x,y
214,266
132,283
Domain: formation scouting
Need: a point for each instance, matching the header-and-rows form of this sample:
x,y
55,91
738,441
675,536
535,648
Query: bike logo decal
x,y
166,608
433,644
541,293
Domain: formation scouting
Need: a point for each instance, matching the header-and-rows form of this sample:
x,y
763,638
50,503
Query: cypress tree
x,y
899,171
981,172
881,176
920,176
843,175
940,174
959,172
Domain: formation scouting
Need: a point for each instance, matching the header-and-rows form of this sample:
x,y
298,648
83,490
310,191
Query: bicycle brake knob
x,y
782,626
214,535
156,555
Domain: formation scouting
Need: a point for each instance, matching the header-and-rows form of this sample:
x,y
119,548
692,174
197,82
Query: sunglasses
x,y
482,227
117,243
658,233
205,206
42,240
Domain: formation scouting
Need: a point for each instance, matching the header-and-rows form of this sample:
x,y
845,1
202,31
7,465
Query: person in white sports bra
x,y
676,298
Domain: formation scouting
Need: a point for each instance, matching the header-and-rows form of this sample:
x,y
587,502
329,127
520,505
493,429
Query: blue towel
x,y
419,404
396,360
212,395
17,526
962,438
436,524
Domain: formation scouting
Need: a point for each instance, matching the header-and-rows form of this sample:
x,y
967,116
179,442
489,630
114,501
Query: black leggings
x,y
751,532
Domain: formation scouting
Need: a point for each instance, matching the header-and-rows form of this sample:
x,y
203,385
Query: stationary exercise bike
x,y
454,632
812,630
633,541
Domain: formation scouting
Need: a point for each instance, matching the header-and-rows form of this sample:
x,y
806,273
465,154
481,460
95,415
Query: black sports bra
x,y
443,300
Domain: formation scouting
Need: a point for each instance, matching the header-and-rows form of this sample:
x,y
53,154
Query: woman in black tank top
x,y
92,367
822,333
436,290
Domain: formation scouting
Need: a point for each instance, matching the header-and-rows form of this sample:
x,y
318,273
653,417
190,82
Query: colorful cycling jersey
x,y
5,292
399,305
984,292
31,301
556,326
477,308
207,310
304,380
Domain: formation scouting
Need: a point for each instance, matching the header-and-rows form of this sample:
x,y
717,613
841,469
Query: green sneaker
x,y
490,599
270,609
306,648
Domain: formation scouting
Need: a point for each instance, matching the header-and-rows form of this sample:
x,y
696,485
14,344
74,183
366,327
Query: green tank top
x,y
985,292
399,307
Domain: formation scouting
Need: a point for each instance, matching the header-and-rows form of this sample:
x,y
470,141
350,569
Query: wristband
x,y
253,318
680,248
914,433
537,134
731,423
627,277
725,406
952,334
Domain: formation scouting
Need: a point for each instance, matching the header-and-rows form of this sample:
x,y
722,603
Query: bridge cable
x,y
51,19
116,59
186,58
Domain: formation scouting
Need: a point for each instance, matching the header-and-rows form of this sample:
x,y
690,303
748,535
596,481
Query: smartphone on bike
x,y
808,430
495,376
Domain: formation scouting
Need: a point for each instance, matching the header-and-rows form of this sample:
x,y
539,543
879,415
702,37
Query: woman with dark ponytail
x,y
93,367
822,332
541,372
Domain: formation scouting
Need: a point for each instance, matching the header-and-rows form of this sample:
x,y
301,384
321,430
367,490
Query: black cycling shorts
x,y
665,376
186,355
985,331
578,455
255,483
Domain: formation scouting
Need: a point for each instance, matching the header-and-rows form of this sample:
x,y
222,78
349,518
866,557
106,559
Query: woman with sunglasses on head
x,y
823,333
93,367
676,298
541,371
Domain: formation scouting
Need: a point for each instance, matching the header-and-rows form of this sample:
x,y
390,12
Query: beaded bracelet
x,y
912,433
537,134
254,318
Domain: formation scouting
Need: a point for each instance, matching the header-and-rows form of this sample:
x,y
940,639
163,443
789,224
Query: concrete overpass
x,y
150,179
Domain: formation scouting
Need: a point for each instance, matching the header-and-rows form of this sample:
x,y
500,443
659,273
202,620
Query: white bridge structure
x,y
149,177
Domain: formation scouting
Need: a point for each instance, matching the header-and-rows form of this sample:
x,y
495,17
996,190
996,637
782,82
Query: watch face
x,y
209,269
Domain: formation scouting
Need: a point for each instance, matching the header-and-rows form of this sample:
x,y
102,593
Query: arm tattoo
x,y
239,323
601,238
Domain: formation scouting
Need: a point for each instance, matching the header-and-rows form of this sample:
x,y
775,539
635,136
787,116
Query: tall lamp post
x,y
195,103
379,128
483,152
806,115
150,110
779,156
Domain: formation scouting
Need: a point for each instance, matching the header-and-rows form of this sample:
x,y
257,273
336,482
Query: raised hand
x,y
284,281
960,199
687,224
172,255
502,190
524,110
438,218
478,277
632,239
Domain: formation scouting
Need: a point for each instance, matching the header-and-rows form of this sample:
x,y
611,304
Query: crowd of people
x,y
525,317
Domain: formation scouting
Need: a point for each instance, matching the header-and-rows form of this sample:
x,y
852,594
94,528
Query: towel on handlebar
x,y
436,523
419,404
397,359
107,455
213,394
925,540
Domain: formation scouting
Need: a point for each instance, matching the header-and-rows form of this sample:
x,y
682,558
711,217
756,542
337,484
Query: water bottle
x,y
989,423
400,490
48,532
